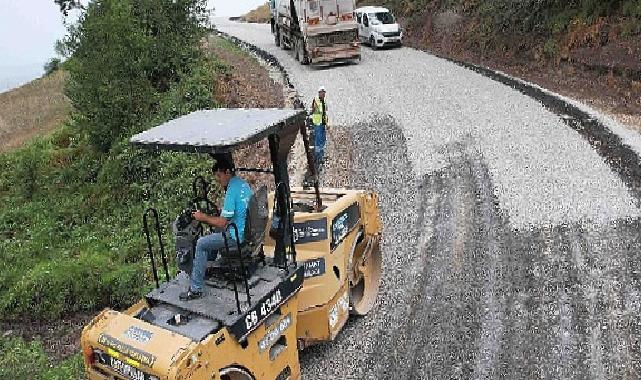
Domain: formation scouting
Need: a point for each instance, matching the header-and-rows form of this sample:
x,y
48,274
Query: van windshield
x,y
381,18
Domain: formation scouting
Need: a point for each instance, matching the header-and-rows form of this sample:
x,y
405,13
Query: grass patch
x,y
22,360
214,42
71,224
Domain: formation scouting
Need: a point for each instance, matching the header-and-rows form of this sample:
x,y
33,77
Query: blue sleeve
x,y
229,206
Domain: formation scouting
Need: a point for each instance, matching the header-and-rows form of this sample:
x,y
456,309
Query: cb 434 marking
x,y
270,304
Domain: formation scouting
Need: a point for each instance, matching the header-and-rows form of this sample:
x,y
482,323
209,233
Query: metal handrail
x,y
281,186
150,246
255,170
242,264
311,165
204,187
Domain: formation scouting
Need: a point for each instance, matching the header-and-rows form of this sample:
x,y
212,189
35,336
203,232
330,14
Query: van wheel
x,y
372,42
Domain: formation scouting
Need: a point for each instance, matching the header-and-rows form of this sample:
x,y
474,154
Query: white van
x,y
377,27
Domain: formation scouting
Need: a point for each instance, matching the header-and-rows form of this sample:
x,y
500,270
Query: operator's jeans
x,y
319,144
206,249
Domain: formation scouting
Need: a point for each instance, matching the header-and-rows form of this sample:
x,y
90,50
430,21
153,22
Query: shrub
x,y
52,66
551,48
27,166
71,213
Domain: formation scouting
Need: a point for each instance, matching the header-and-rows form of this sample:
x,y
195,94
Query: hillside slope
x,y
259,15
38,106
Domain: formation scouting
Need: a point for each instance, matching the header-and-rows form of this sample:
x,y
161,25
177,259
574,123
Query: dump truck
x,y
310,258
316,31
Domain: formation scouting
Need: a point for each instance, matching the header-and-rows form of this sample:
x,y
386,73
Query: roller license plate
x,y
126,370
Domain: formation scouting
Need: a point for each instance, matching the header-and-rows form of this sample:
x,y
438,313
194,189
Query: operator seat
x,y
251,249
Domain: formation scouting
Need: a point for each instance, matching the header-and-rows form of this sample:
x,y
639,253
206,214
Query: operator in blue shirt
x,y
237,196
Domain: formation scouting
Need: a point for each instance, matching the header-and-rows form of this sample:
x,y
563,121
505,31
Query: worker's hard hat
x,y
321,88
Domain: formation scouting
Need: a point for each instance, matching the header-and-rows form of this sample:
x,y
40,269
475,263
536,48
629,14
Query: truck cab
x,y
377,27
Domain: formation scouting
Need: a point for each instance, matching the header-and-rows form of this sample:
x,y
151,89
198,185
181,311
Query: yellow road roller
x,y
310,257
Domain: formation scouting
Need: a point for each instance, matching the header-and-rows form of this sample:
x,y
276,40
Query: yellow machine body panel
x,y
269,352
326,241
148,348
323,323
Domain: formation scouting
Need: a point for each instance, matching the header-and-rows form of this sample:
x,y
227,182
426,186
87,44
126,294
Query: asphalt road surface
x,y
512,234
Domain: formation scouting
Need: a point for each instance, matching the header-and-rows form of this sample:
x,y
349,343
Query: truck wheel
x,y
302,56
295,48
364,273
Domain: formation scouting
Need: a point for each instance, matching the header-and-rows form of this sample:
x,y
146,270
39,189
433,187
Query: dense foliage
x,y
546,18
126,54
70,222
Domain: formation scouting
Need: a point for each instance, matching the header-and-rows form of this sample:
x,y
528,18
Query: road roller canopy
x,y
220,131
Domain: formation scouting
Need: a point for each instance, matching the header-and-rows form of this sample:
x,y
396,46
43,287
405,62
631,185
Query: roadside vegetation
x,y
22,360
72,201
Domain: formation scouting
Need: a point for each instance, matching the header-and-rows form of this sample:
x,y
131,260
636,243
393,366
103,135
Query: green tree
x,y
125,55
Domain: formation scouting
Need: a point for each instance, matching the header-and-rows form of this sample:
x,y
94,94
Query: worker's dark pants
x,y
319,144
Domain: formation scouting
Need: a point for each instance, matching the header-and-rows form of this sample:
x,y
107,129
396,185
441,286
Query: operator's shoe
x,y
190,295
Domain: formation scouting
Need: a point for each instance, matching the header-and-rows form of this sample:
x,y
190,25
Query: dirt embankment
x,y
246,84
37,107
595,61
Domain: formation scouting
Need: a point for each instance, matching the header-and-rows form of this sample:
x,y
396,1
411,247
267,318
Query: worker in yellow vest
x,y
319,119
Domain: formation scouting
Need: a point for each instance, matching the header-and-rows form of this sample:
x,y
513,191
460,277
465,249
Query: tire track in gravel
x,y
497,302
380,163
467,295
494,302
455,327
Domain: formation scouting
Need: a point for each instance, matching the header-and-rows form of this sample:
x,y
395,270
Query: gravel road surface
x,y
512,235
